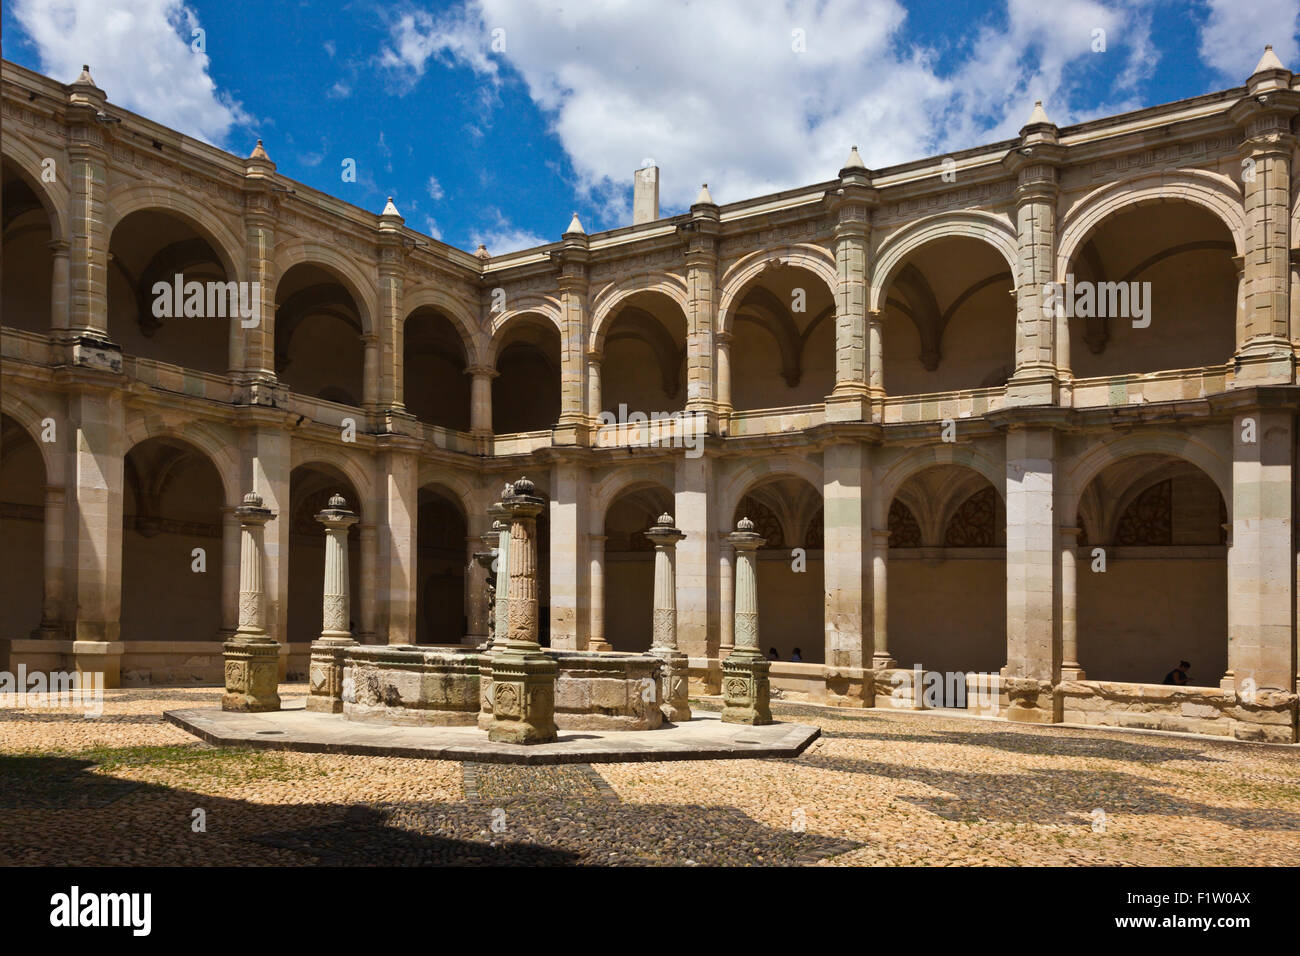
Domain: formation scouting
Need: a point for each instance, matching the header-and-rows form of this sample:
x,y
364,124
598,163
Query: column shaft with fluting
x,y
745,689
252,658
327,691
674,677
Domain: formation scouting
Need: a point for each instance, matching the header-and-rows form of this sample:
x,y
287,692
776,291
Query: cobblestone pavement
x,y
880,787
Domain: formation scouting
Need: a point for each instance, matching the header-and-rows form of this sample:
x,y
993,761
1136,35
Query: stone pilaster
x,y
572,260
881,658
846,497
523,678
569,506
701,238
398,531
1260,560
696,561
675,676
266,467
1032,654
851,204
1036,163
252,656
1265,350
52,625
722,361
596,603
745,690
88,226
252,350
325,680
480,399
1067,611
388,391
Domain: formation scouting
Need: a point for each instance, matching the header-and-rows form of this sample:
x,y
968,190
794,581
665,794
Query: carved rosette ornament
x,y
523,677
252,657
746,694
325,670
674,676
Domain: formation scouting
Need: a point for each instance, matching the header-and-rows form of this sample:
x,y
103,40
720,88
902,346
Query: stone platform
x,y
705,737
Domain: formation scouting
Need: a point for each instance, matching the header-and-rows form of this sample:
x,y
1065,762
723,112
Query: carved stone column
x,y
500,612
52,627
745,688
1069,601
325,691
252,658
523,677
675,699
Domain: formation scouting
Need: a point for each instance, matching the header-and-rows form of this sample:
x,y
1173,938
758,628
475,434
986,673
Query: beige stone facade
x,y
950,470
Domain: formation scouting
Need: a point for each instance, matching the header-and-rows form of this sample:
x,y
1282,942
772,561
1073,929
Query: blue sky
x,y
494,120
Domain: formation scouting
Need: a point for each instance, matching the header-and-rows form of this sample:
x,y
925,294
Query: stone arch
x,y
219,450
611,487
53,196
736,280
1212,191
455,310
153,197
606,302
1083,468
994,230
353,471
752,473
455,486
547,308
895,475
30,418
358,284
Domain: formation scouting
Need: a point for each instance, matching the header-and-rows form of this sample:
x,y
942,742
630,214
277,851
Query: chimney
x,y
645,195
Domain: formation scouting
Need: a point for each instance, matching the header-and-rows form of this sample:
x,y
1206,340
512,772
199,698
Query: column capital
x,y
336,516
744,538
663,534
485,370
251,512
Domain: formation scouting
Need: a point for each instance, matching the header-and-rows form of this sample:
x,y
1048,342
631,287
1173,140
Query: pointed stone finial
x,y
258,152
390,209
575,227
1268,61
1039,115
705,198
482,252
855,160
85,80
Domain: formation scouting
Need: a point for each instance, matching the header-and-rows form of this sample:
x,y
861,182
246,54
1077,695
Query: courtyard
x,y
878,788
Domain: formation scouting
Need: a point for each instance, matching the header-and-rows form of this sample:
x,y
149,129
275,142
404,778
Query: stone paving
x,y
879,787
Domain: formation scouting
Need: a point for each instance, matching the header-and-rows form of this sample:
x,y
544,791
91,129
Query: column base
x,y
601,645
252,669
746,692
523,698
99,657
325,689
1072,672
1030,701
675,682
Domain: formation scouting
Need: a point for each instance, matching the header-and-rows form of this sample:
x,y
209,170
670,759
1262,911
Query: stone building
x,y
954,464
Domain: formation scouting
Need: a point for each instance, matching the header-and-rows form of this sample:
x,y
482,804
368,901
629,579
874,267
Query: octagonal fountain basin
x,y
404,684
607,690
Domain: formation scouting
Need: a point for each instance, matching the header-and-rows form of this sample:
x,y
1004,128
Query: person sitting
x,y
1179,674
797,656
772,655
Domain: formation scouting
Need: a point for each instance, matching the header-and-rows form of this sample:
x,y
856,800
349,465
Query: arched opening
x,y
318,336
949,319
1156,524
1178,257
644,357
441,565
310,488
783,340
22,545
146,315
28,269
526,391
171,509
629,565
435,387
788,513
947,581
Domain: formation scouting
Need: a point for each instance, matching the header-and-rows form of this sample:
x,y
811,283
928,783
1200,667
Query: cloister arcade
x,y
947,472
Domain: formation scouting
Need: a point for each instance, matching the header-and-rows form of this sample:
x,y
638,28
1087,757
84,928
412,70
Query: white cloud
x,y
339,91
431,227
1235,33
718,92
139,54
435,188
501,237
